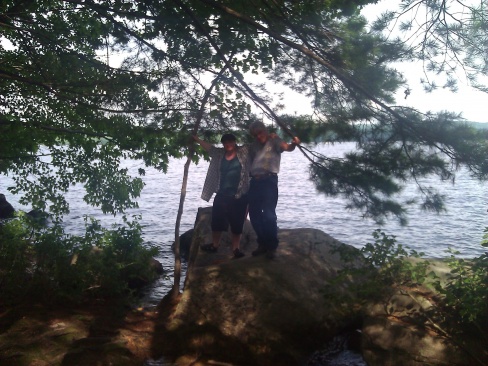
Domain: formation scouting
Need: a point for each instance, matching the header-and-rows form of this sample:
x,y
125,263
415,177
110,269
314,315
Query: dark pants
x,y
263,198
229,211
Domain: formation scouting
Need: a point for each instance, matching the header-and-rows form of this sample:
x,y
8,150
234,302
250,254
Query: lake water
x,y
299,206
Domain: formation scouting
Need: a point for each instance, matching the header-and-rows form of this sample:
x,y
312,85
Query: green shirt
x,y
230,174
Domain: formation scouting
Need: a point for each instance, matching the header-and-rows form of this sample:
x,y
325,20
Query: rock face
x,y
273,308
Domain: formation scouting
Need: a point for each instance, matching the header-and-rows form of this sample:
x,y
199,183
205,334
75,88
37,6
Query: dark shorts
x,y
229,211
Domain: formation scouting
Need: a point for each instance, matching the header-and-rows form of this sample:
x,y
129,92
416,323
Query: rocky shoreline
x,y
250,311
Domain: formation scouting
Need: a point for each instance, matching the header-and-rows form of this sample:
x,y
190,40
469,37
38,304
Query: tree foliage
x,y
86,84
47,265
449,37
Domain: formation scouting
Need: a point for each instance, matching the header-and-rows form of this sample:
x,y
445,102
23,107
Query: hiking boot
x,y
259,251
238,254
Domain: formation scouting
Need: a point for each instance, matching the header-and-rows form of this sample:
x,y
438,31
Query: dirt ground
x,y
96,334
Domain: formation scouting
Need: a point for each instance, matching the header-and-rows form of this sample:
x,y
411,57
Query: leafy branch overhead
x,y
87,84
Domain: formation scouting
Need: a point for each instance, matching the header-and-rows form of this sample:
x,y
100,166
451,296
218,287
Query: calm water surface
x,y
299,206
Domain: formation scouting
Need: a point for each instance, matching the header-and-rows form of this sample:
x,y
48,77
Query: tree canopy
x,y
86,84
449,37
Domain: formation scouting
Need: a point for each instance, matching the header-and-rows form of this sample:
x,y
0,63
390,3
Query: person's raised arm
x,y
204,144
290,146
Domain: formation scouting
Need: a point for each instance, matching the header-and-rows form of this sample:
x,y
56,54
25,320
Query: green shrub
x,y
374,270
46,263
379,267
466,290
15,259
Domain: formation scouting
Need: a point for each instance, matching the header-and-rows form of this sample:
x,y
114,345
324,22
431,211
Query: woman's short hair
x,y
227,137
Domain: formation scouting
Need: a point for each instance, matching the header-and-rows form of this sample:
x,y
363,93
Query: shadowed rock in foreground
x,y
272,309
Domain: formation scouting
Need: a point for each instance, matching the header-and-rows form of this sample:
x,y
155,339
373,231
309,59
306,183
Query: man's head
x,y
259,131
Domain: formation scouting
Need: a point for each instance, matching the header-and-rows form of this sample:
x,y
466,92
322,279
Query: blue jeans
x,y
263,198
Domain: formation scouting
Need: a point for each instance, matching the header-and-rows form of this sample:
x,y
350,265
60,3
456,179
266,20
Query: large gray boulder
x,y
274,309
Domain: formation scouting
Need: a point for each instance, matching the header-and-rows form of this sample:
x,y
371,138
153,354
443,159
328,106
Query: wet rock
x,y
6,209
157,266
185,244
137,281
